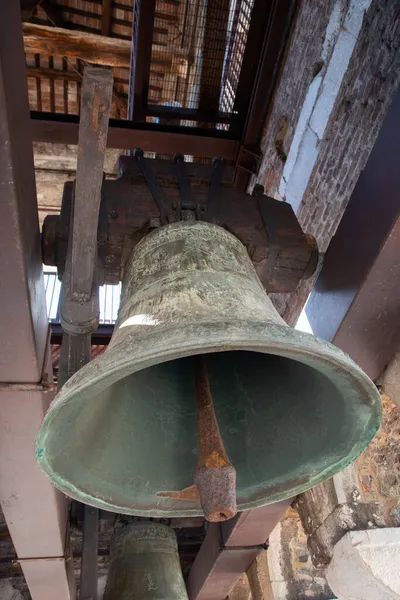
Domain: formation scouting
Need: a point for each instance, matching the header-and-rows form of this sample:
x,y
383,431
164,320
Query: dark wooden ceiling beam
x,y
266,40
106,17
45,127
54,13
140,67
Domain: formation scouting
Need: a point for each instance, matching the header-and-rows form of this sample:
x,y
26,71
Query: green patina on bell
x,y
292,409
144,564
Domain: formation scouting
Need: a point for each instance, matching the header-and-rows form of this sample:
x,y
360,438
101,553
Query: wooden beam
x,y
54,13
140,67
96,49
106,17
125,136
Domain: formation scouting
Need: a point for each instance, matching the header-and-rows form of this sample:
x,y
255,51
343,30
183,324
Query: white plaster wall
x,y
275,561
390,380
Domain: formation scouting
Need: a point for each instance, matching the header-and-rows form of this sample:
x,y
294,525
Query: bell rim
x,y
296,345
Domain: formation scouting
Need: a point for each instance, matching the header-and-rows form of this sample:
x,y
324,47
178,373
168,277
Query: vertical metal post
x,y
228,550
35,512
88,584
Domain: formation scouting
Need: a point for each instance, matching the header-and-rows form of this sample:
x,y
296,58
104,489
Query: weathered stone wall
x,y
370,81
285,571
292,572
301,64
363,496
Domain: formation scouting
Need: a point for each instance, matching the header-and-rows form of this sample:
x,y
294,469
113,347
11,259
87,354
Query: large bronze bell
x,y
144,564
292,409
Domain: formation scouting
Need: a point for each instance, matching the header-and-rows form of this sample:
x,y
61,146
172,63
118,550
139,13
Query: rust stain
x,y
216,460
190,494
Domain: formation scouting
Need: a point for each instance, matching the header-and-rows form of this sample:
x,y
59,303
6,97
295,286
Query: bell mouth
x,y
292,410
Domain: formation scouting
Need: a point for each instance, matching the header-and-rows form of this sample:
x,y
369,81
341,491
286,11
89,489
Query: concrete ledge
x,y
365,565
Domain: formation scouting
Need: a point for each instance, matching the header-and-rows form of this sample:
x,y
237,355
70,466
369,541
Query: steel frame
x,y
35,512
356,299
229,549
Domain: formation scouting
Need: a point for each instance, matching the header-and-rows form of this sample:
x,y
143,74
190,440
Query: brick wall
x,y
300,66
371,80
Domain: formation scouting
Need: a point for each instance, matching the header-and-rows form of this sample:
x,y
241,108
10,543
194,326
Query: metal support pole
x,y
228,550
88,588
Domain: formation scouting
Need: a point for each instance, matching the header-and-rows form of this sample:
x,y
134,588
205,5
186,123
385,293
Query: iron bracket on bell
x,y
153,192
214,190
155,189
186,208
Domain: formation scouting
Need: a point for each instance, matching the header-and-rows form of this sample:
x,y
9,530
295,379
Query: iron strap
x,y
156,191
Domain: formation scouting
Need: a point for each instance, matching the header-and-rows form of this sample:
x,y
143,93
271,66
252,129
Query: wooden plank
x,y
126,136
54,13
140,67
93,128
269,52
96,49
106,17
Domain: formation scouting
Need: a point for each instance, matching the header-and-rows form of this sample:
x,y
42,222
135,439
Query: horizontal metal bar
x,y
189,114
240,548
100,337
151,137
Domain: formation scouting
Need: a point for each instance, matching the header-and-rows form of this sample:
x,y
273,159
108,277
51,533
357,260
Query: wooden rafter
x,y
106,17
54,13
96,49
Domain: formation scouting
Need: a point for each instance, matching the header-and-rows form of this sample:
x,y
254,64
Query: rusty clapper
x,y
215,475
281,408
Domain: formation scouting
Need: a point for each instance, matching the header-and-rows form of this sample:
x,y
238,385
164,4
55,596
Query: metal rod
x,y
88,583
215,475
